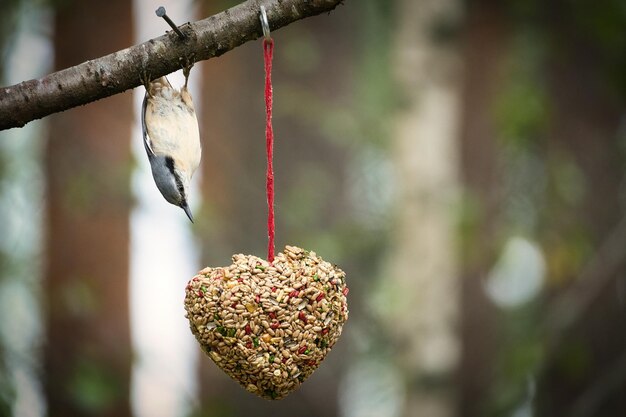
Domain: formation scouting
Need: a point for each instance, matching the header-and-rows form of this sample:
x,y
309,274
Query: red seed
x,y
249,344
301,350
240,280
200,294
188,287
346,291
302,316
273,289
324,331
293,294
234,305
272,315
257,299
195,279
284,360
320,297
311,363
248,330
275,325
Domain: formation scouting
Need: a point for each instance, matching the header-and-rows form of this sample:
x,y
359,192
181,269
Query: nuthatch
x,y
171,138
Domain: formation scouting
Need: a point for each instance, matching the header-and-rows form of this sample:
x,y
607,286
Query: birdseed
x,y
268,325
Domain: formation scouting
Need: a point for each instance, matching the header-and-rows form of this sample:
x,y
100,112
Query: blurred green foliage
x,y
604,25
9,19
522,108
93,387
375,93
541,191
544,186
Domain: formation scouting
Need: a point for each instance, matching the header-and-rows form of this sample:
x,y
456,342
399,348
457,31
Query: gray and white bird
x,y
172,139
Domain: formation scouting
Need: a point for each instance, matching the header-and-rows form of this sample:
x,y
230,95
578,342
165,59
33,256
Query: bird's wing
x,y
146,138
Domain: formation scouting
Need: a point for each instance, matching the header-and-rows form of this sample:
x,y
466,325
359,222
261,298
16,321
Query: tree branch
x,y
119,71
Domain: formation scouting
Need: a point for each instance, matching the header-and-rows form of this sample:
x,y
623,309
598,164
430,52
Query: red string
x,y
268,52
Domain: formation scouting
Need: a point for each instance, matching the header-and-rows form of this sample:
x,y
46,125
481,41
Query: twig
x,y
120,71
609,381
568,309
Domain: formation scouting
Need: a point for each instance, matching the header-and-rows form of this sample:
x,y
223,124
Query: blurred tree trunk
x,y
224,107
485,43
9,22
582,371
234,164
422,262
87,357
586,375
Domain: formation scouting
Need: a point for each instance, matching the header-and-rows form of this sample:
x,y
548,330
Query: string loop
x,y
268,53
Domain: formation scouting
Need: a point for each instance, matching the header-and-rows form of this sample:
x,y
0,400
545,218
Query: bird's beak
x,y
185,207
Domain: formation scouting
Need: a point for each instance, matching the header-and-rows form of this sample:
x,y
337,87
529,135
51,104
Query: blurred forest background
x,y
463,161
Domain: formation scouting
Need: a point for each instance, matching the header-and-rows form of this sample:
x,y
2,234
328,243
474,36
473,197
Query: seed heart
x,y
268,325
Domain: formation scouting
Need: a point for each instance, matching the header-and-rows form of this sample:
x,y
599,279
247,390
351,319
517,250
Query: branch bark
x,y
117,72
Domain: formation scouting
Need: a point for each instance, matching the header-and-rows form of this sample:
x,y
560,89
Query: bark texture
x,y
111,74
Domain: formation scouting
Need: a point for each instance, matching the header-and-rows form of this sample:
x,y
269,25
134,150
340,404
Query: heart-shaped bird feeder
x,y
268,325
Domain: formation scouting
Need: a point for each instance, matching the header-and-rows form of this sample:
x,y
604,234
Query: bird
x,y
171,138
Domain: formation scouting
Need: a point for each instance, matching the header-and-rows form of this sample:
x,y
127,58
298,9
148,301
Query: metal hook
x,y
161,13
264,23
